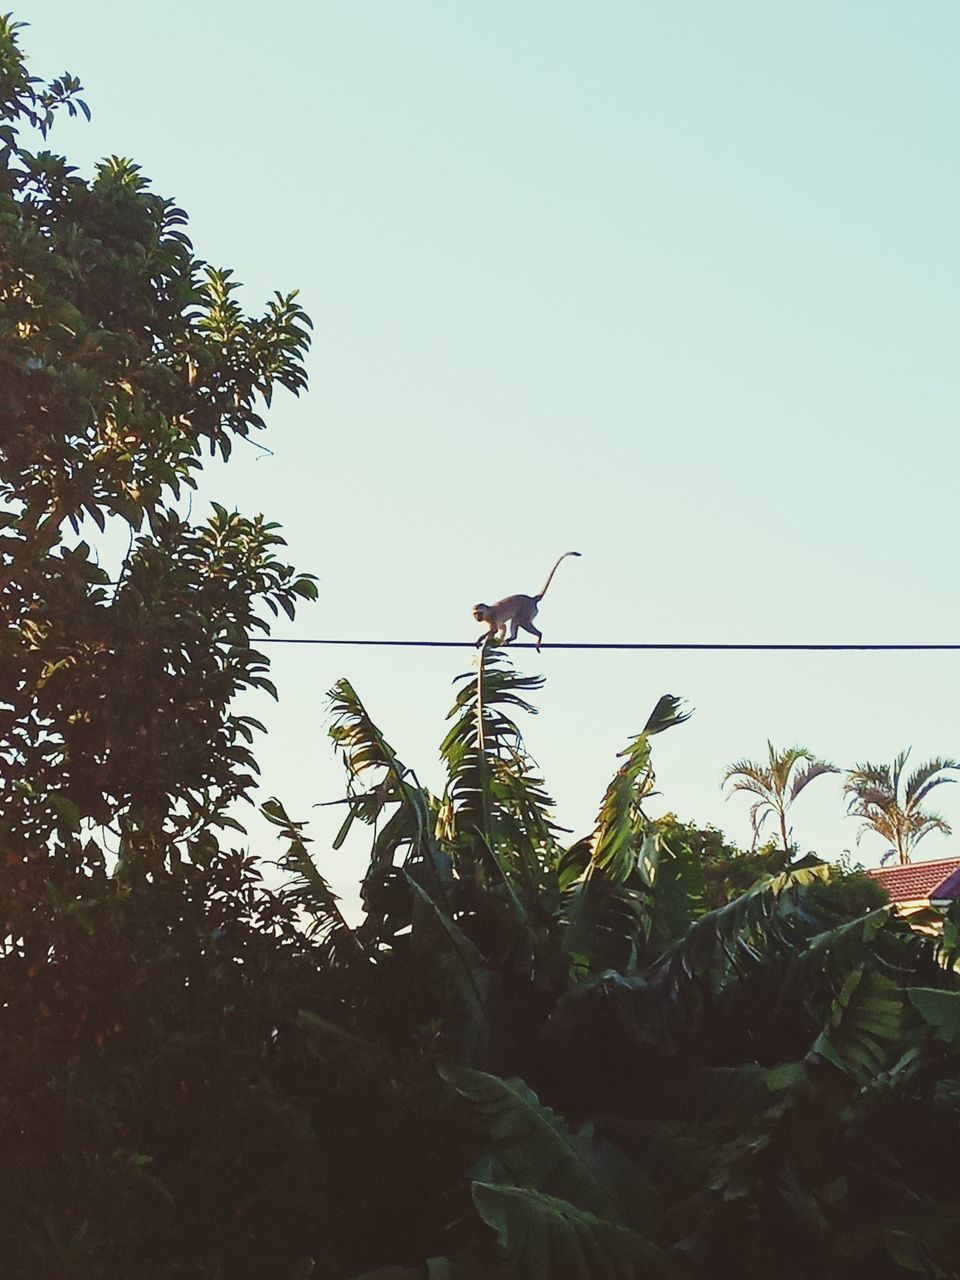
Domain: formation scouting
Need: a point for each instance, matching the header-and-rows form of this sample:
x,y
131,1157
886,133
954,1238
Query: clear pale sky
x,y
675,284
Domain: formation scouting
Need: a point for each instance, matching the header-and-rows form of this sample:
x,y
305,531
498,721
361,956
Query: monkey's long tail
x,y
553,571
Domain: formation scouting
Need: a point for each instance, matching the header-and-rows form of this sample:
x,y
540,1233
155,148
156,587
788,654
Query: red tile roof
x,y
919,880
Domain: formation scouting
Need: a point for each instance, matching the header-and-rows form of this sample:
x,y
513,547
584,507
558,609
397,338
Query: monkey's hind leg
x,y
528,626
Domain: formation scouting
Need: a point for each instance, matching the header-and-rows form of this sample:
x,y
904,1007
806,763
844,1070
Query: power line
x,y
696,646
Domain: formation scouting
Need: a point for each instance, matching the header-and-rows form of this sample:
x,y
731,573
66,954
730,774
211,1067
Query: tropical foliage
x,y
633,1054
777,784
891,803
737,1081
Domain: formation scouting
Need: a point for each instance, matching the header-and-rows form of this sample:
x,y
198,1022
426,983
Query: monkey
x,y
518,610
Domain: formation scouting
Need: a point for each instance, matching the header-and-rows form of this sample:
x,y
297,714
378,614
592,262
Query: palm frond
x,y
727,941
924,779
525,817
308,889
754,784
621,825
614,846
494,799
364,748
665,715
815,769
607,914
604,925
502,687
871,800
759,813
574,862
353,731
863,778
409,833
827,958
610,926
925,823
749,776
782,764
896,771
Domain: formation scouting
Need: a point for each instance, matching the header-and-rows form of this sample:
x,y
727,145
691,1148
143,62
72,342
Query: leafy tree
x,y
716,870
891,803
124,357
161,1106
777,784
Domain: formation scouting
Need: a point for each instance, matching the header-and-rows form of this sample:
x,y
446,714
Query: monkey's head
x,y
481,612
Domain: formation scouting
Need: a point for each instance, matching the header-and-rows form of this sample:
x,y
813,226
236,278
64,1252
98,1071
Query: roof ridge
x,y
914,866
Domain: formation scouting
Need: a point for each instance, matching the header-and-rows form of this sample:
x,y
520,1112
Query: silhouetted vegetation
x,y
642,1053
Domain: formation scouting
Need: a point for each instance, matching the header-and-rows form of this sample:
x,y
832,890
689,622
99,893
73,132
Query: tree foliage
x,y
777,784
891,803
153,1064
124,358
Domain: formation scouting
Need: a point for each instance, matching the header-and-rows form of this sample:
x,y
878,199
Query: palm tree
x,y
777,783
891,804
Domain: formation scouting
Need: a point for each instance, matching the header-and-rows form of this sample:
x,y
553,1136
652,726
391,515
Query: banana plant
x,y
498,814
311,892
499,873
563,1202
479,875
609,879
385,794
